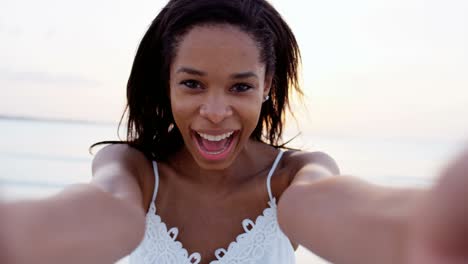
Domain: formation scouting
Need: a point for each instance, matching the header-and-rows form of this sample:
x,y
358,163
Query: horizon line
x,y
55,120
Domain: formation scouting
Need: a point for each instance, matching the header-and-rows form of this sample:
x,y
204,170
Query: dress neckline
x,y
195,257
268,214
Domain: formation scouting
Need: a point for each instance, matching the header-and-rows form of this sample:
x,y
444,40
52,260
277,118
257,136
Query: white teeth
x,y
215,138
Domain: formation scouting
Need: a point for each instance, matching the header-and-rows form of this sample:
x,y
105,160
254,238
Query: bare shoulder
x,y
304,162
121,155
118,169
316,157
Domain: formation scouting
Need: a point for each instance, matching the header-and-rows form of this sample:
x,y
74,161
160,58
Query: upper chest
x,y
207,223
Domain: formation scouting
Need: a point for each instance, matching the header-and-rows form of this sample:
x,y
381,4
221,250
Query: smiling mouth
x,y
215,147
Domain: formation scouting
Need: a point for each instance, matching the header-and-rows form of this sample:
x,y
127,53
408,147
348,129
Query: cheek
x,y
185,109
182,107
249,110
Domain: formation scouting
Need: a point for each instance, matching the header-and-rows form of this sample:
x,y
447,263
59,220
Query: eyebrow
x,y
241,75
190,71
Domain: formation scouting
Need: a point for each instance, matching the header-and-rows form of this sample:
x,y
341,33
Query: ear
x,y
267,85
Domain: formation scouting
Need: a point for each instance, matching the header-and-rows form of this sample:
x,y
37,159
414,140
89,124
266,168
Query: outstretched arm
x,y
99,222
346,220
440,225
81,224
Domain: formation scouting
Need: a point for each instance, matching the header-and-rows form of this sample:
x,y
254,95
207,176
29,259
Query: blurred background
x,y
385,81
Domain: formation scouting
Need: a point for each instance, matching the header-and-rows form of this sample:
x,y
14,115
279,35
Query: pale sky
x,y
390,68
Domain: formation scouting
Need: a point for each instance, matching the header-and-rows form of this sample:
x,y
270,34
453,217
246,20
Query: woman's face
x,y
217,86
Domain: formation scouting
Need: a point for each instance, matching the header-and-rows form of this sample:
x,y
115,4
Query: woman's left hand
x,y
439,229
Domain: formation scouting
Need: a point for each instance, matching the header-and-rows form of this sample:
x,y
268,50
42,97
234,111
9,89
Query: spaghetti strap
x,y
156,181
270,173
272,170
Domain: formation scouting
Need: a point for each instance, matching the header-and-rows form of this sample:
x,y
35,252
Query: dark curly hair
x,y
148,103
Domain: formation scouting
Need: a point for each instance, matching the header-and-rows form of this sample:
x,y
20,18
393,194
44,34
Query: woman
x,y
207,96
202,176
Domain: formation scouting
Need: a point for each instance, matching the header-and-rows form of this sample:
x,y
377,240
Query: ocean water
x,y
38,158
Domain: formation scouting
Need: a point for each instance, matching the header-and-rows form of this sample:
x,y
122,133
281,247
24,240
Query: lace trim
x,y
160,245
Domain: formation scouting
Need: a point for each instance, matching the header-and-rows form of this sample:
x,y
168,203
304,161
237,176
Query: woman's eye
x,y
192,84
241,87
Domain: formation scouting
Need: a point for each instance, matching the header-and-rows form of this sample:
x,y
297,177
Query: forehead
x,y
218,48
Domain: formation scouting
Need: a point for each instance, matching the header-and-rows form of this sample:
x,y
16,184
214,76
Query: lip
x,y
220,156
214,132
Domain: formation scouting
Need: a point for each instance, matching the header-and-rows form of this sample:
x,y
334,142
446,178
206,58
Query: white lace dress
x,y
262,240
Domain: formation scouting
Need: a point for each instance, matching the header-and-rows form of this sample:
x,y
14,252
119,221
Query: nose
x,y
216,109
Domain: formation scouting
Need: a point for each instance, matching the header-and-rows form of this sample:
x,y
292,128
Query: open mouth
x,y
215,147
